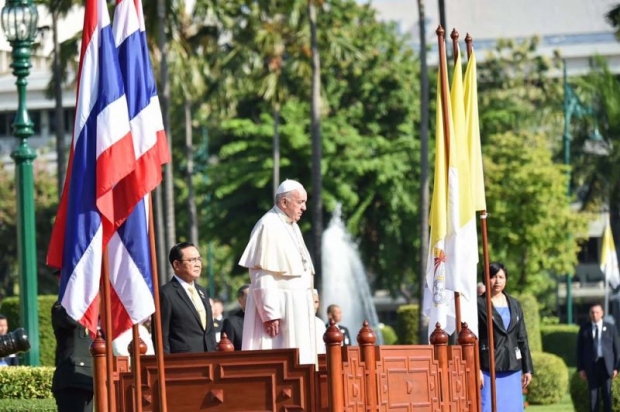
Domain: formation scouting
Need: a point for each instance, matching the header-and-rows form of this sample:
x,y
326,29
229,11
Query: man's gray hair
x,y
280,196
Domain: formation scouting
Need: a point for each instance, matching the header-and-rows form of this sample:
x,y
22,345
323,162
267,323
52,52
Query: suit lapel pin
x,y
201,294
604,328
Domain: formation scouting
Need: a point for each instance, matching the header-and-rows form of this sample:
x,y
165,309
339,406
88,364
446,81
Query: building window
x,y
6,118
589,252
69,116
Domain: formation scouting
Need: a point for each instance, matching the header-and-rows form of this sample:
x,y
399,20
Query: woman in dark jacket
x,y
513,361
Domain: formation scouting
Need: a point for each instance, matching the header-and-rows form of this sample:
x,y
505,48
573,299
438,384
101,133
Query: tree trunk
x,y
164,98
59,118
276,148
424,185
317,183
189,156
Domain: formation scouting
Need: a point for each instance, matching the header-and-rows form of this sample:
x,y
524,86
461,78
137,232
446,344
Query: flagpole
x,y
161,373
443,81
444,92
135,365
107,316
457,296
487,279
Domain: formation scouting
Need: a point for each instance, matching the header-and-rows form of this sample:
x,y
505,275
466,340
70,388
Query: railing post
x,y
467,340
439,340
366,339
333,342
97,351
225,345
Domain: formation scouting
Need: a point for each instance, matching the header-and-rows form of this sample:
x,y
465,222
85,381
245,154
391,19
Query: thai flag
x,y
129,252
108,175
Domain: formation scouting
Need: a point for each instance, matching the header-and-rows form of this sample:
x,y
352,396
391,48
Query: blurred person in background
x,y
233,324
335,313
11,360
217,306
598,354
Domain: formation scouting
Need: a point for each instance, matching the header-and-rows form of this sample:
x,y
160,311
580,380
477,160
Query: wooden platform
x,y
434,377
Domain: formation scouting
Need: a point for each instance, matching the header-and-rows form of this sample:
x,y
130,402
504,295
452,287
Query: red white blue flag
x,y
115,161
128,251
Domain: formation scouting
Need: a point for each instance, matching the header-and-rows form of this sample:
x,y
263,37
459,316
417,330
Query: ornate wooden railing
x,y
435,377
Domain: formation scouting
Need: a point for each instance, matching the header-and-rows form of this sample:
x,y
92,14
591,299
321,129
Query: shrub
x,y
562,341
27,405
389,335
550,380
532,320
47,341
580,394
25,382
408,317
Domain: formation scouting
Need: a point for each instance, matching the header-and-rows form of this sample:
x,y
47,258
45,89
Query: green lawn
x,y
564,406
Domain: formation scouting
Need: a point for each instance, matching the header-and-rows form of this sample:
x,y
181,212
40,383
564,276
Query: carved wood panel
x,y
408,378
234,381
353,374
457,379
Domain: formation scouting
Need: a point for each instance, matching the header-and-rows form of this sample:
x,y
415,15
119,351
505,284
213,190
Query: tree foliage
x,y
234,61
531,227
46,202
369,150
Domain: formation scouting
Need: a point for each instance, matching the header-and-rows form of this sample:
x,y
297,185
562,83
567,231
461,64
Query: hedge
x,y
47,341
562,341
550,381
529,304
26,382
389,335
581,396
407,318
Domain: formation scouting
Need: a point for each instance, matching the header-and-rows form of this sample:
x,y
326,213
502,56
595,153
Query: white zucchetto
x,y
287,186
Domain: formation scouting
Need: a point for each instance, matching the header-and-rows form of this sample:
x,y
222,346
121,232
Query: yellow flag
x,y
609,258
473,134
462,238
459,154
436,297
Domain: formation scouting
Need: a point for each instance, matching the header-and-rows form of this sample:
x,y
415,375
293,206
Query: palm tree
x,y
59,9
613,19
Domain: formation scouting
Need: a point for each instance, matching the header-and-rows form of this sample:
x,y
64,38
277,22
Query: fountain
x,y
344,281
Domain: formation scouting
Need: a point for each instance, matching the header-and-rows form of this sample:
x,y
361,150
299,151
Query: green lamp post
x,y
19,22
595,144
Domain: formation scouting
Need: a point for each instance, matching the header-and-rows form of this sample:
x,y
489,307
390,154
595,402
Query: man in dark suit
x,y
186,316
335,313
72,384
233,325
598,353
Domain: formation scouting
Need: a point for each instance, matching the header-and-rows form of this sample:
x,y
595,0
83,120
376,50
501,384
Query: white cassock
x,y
320,331
281,283
121,343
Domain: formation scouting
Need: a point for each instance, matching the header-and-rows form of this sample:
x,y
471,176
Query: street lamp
x,y
19,22
595,144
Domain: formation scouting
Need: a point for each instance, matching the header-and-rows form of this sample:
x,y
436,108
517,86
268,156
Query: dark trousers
x,y
600,386
74,400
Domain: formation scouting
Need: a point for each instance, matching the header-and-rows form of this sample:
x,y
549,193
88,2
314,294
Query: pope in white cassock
x,y
280,310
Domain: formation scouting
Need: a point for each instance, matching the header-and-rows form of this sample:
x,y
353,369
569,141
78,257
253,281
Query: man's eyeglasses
x,y
192,260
